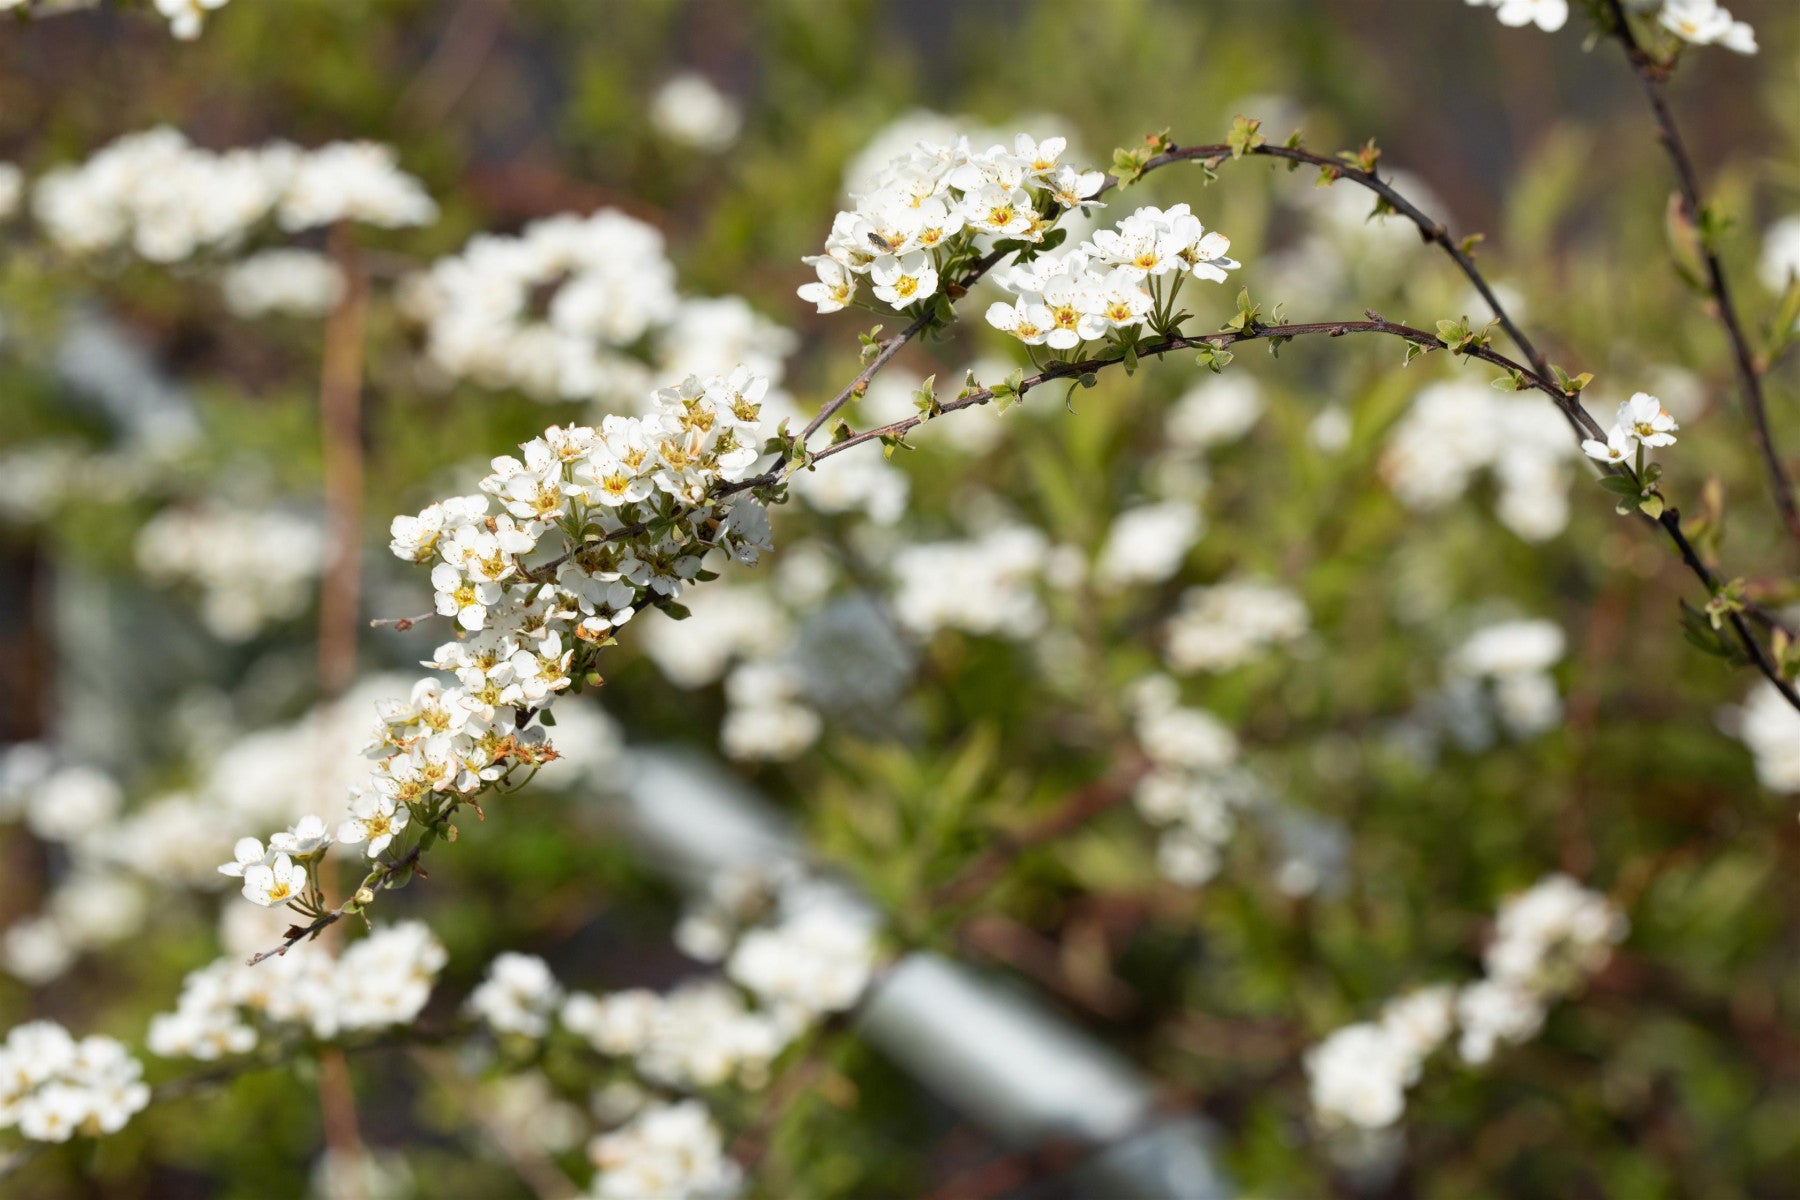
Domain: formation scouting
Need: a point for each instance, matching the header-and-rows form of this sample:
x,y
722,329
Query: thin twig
x,y
1652,75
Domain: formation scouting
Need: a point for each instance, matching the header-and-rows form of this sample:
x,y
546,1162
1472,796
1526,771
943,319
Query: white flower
x,y
1359,1076
836,286
904,280
519,995
275,882
354,181
689,111
1780,257
465,599
246,854
1644,417
306,838
1072,188
1770,727
187,17
1001,211
1148,544
1030,322
1706,22
375,819
1617,448
1548,15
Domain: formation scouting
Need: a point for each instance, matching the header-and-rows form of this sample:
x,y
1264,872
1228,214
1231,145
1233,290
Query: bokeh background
x,y
131,392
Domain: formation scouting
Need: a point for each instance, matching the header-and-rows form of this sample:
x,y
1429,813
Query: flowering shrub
x,y
796,705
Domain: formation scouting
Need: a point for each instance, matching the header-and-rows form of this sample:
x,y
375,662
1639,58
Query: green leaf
x,y
1244,136
1651,506
1621,485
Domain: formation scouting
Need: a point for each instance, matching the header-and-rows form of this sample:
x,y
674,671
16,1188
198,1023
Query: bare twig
x,y
1652,75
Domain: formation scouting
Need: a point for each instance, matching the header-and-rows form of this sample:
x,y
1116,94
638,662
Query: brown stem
x,y
340,420
337,1112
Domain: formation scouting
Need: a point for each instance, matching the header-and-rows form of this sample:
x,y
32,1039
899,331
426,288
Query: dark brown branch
x,y
1652,75
1433,231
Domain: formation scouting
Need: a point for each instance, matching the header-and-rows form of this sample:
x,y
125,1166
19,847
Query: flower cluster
x,y
1642,423
1148,544
168,200
984,585
673,1150
1547,942
1514,659
252,568
519,996
802,950
1113,285
53,1087
227,1008
1358,1076
1194,791
932,209
1232,623
700,1035
816,959
593,524
1454,431
298,283
580,308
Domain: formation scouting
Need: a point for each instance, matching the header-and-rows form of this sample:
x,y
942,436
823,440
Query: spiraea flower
x,y
274,882
1641,421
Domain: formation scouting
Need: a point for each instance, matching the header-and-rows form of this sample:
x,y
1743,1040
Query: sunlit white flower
x,y
275,882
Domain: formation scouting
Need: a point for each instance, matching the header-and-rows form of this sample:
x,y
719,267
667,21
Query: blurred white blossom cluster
x,y
97,900
581,308
282,281
691,112
1547,942
1456,430
229,1008
1228,624
1770,727
795,951
986,584
933,209
669,1149
1113,285
1503,669
1194,791
593,524
53,1087
166,200
1779,267
252,568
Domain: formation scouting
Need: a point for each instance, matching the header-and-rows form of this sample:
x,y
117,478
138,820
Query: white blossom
x,y
690,112
53,1087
